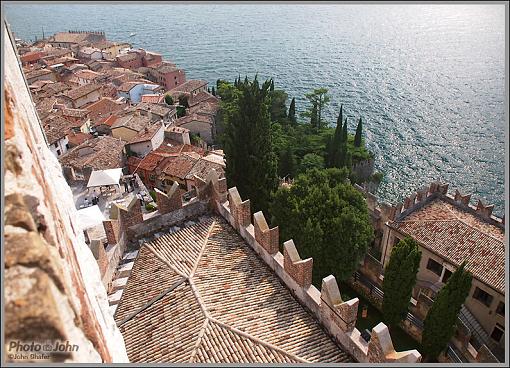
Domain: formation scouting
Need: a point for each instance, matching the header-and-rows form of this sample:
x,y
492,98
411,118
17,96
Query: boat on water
x,y
132,34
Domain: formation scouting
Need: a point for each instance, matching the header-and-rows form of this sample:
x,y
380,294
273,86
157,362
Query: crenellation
x,y
462,199
300,270
266,237
484,210
333,308
239,209
171,201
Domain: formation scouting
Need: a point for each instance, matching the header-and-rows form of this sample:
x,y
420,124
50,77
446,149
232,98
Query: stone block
x,y
169,202
300,270
240,209
463,199
483,210
443,188
334,309
266,237
112,229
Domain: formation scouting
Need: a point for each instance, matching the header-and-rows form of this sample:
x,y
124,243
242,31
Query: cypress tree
x,y
213,91
357,137
292,111
313,117
399,280
336,141
439,325
251,162
344,132
271,87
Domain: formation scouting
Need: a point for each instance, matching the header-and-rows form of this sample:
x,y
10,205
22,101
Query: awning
x,y
90,216
104,177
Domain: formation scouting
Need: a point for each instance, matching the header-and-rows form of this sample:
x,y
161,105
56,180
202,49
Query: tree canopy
x,y
328,220
251,161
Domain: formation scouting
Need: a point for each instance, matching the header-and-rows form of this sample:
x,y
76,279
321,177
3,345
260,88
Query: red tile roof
x,y
147,134
32,56
456,235
179,166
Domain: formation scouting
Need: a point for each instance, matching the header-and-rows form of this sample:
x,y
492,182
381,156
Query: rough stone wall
x,y
53,290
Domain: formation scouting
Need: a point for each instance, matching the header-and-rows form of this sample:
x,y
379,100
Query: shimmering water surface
x,y
429,80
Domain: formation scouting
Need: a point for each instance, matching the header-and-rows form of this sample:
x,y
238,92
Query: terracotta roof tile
x,y
82,91
226,306
457,235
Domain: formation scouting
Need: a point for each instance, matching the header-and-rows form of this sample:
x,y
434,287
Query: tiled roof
x,y
32,56
179,166
149,162
158,109
133,122
75,113
127,86
75,139
147,134
100,153
87,74
56,128
202,167
189,86
456,235
153,98
127,57
82,91
202,295
203,96
104,107
193,117
37,73
166,68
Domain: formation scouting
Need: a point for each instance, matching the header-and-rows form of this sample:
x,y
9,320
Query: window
x,y
446,276
434,267
482,296
58,152
501,309
497,333
55,144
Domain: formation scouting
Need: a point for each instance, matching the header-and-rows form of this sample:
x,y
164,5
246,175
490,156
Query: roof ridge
x,y
201,334
257,340
153,251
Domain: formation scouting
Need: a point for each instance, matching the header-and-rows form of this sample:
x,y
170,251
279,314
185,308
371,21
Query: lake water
x,y
428,80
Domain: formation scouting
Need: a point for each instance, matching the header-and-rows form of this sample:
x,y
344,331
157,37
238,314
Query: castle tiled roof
x,y
457,235
201,295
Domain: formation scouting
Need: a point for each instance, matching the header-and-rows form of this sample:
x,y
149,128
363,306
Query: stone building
x,y
449,231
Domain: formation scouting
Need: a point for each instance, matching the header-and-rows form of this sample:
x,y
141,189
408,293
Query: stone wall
x,y
52,287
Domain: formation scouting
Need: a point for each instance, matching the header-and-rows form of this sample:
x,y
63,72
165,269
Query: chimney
x,y
149,114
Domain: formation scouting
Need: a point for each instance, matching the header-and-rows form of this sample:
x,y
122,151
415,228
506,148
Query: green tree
x,y
357,137
439,325
319,98
399,280
181,111
183,101
169,100
277,109
287,163
292,111
311,161
314,122
271,86
213,91
251,162
328,220
336,141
